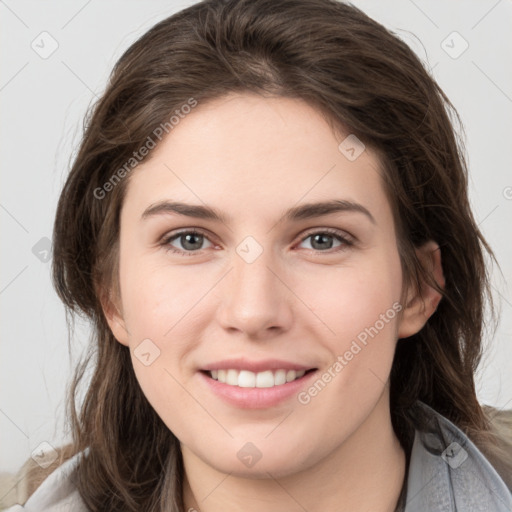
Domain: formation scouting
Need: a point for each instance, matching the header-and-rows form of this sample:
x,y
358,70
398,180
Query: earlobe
x,y
422,304
115,321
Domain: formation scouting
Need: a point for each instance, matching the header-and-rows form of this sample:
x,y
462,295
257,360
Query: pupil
x,y
322,241
188,244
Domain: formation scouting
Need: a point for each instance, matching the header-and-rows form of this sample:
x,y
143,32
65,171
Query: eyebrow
x,y
301,212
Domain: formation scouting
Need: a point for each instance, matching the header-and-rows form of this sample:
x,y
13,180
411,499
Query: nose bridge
x,y
253,298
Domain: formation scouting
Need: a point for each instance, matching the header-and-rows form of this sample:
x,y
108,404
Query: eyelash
x,y
346,241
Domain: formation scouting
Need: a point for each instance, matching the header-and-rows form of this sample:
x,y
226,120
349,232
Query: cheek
x,y
162,304
358,306
159,300
166,306
351,298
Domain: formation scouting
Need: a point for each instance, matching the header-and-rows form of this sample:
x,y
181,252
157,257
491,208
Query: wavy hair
x,y
362,78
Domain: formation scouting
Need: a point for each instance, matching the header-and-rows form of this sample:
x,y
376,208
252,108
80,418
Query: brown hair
x,y
362,78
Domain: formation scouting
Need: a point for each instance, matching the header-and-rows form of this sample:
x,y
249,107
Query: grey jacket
x,y
447,473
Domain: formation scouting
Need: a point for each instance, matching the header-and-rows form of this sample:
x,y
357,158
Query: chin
x,y
249,462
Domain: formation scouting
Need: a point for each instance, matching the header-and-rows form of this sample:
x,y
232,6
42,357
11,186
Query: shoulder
x,y
447,472
500,421
56,493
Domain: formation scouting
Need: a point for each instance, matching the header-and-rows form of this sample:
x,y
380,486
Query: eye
x,y
325,239
190,241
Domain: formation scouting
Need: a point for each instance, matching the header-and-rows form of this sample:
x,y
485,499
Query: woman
x,y
267,223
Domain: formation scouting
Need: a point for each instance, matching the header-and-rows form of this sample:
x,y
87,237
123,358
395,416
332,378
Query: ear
x,y
114,316
422,304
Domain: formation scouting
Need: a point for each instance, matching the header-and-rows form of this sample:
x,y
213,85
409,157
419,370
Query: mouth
x,y
255,384
270,378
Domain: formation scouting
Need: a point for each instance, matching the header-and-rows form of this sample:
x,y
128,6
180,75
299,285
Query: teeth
x,y
247,379
280,377
232,377
265,379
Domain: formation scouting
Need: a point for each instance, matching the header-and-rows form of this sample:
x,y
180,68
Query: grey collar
x,y
448,473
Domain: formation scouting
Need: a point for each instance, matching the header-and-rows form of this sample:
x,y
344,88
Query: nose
x,y
255,298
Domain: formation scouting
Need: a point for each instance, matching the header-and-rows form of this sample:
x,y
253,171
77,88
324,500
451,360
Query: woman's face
x,y
270,287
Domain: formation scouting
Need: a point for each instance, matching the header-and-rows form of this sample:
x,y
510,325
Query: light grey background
x,y
43,100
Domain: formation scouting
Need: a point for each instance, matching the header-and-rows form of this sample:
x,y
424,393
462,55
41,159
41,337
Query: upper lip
x,y
255,366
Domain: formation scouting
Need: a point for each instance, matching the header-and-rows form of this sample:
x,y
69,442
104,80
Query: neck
x,y
366,472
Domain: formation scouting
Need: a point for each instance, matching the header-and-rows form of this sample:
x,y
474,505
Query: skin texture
x,y
253,158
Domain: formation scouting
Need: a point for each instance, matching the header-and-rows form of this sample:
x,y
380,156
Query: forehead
x,y
253,156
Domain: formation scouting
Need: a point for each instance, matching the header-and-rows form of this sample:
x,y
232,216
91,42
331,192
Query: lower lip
x,y
256,398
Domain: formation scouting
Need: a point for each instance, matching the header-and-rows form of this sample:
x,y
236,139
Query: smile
x,y
248,379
